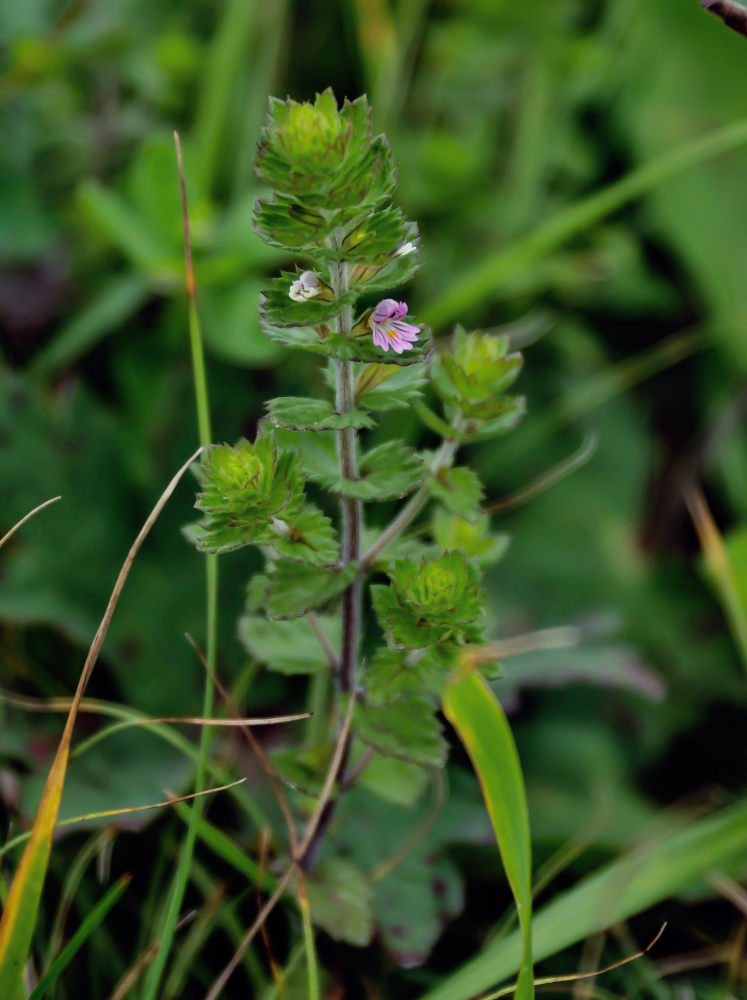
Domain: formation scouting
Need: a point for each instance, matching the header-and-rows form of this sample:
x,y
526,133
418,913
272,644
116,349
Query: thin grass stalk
x,y
211,601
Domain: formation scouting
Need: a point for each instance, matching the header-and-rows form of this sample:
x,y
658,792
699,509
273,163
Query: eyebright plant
x,y
331,207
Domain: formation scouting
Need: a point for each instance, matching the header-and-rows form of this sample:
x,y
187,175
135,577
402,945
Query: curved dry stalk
x,y
64,704
573,977
125,810
25,518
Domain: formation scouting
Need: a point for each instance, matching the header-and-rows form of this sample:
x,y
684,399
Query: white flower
x,y
406,248
307,286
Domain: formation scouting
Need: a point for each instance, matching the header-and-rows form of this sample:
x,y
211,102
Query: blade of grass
x,y
22,838
221,845
19,915
90,923
482,283
224,65
477,716
312,967
181,877
647,875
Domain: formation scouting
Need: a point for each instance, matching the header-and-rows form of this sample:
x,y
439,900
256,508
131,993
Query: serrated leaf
x,y
384,387
340,898
243,490
333,345
278,309
398,269
288,647
289,589
309,537
375,237
286,223
397,673
403,628
301,414
459,490
408,730
386,472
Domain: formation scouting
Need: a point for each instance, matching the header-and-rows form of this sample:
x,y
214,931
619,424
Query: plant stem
x,y
352,529
352,510
412,508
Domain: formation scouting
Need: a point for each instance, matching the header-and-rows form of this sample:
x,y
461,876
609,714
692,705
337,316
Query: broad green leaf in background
x,y
481,724
482,283
289,647
340,900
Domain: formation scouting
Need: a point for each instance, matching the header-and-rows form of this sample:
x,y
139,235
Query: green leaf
x,y
651,873
480,722
308,536
245,489
472,537
458,489
323,156
107,309
476,374
333,345
386,472
299,413
340,899
288,647
278,309
386,387
396,781
375,237
286,223
408,730
89,924
398,269
430,601
290,589
397,673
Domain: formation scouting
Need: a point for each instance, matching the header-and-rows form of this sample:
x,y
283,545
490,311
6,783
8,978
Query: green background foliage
x,y
632,326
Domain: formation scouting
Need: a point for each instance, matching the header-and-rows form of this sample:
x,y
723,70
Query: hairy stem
x,y
352,529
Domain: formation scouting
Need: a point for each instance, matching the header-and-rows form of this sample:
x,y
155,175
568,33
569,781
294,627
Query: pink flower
x,y
389,329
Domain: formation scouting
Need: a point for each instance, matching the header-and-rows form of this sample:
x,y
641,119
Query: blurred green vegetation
x,y
634,330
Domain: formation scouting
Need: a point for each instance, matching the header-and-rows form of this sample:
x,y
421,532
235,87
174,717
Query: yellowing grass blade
x,y
19,916
477,716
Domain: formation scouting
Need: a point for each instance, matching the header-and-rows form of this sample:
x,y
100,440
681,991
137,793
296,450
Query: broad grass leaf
x,y
652,872
479,720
